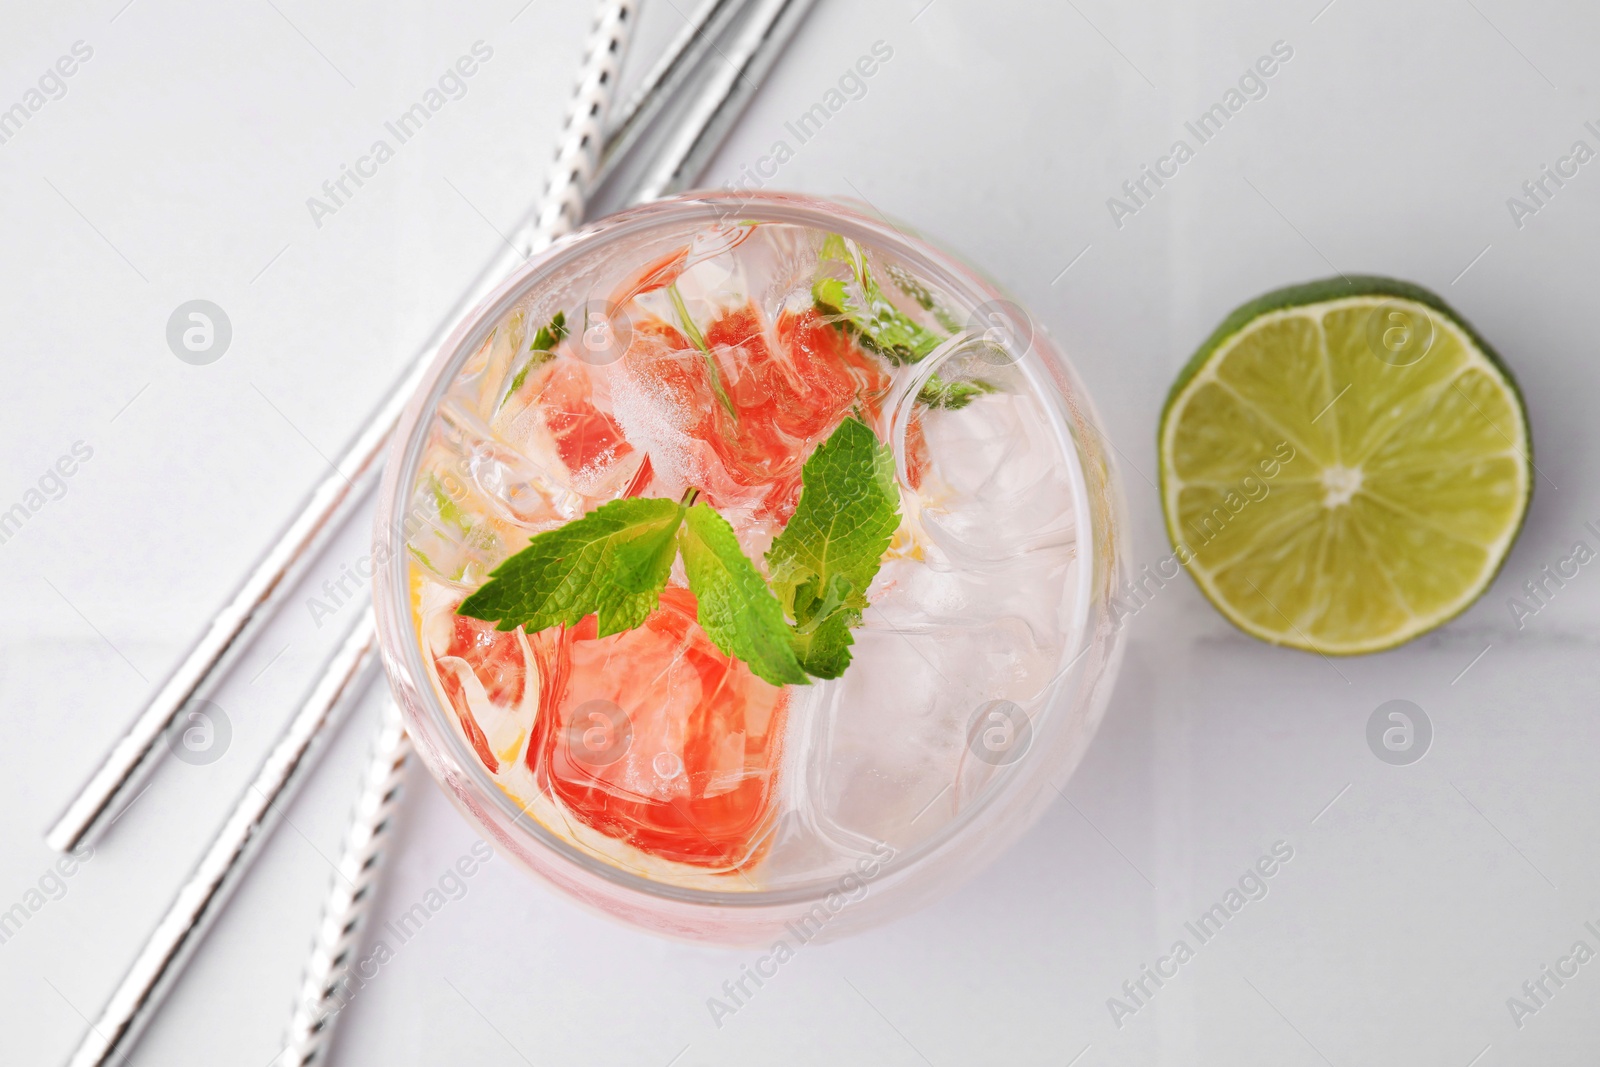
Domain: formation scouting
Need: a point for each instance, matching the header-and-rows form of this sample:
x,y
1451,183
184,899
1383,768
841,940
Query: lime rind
x,y
1314,302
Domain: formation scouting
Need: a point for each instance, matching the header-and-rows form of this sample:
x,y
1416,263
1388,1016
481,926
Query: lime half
x,y
1344,465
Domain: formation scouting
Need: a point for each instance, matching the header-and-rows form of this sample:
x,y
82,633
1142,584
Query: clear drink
x,y
704,349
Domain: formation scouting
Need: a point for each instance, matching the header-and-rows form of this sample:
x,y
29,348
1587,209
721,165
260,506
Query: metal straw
x,y
717,105
660,86
118,777
323,993
583,137
202,897
135,754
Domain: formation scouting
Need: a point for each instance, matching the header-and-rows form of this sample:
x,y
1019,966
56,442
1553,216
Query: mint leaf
x,y
822,563
542,350
882,327
449,510
737,610
612,562
825,651
550,334
938,392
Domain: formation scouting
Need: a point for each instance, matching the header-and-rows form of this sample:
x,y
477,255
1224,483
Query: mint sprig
x,y
884,328
826,557
614,563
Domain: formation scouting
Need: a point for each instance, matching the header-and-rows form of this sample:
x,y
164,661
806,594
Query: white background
x,y
177,166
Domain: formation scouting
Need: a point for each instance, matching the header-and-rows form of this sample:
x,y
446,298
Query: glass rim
x,y
401,651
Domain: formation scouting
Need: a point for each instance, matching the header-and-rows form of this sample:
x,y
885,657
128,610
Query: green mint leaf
x,y
449,510
737,610
814,602
937,392
822,563
550,334
825,651
882,327
540,352
612,562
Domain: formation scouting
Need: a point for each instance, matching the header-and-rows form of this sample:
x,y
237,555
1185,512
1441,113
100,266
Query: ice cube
x,y
893,739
